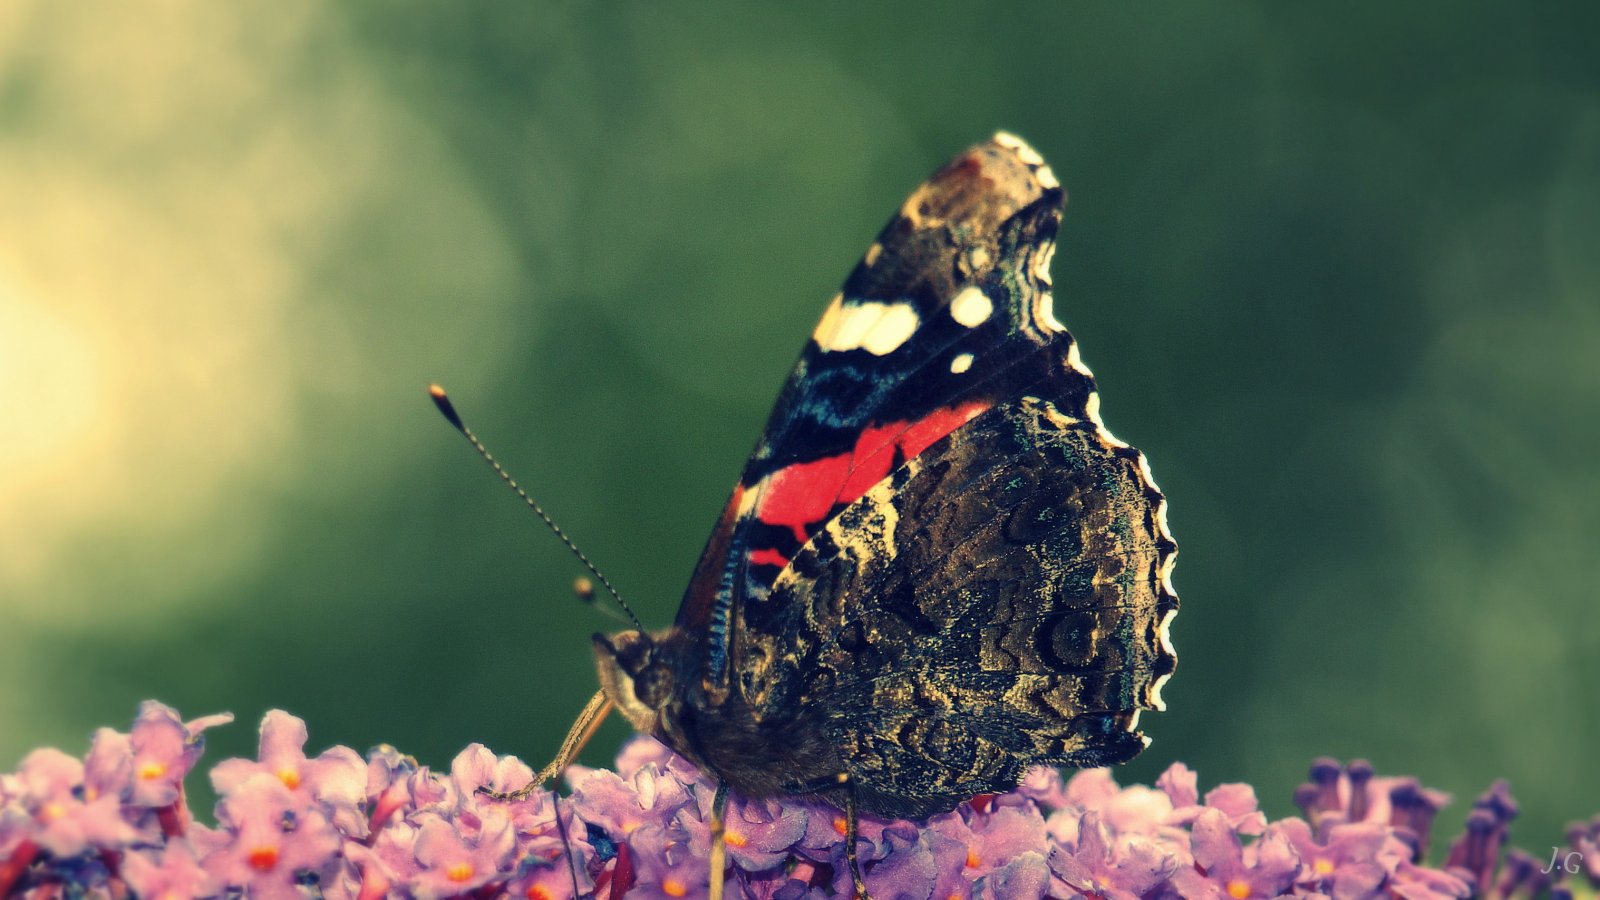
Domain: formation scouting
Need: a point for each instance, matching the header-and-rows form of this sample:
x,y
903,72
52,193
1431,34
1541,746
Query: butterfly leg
x,y
582,730
719,848
840,782
594,713
850,838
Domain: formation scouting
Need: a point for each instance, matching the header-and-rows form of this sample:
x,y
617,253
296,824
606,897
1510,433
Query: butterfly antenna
x,y
583,587
448,409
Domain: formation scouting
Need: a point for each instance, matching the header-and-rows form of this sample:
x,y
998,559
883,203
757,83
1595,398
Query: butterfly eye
x,y
653,685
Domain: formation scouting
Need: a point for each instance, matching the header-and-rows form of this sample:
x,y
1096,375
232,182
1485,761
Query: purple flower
x,y
454,860
476,767
530,818
761,834
1135,809
171,872
49,787
271,841
979,843
353,829
1093,866
667,866
548,879
620,805
1223,867
875,839
388,783
1346,863
371,879
1351,793
644,751
1583,839
1413,882
1026,877
1477,852
163,750
1236,801
393,858
784,888
906,871
337,778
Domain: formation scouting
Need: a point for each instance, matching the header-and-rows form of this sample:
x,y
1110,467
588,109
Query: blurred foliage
x,y
1335,268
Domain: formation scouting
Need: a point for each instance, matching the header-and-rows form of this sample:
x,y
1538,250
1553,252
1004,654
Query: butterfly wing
x,y
947,315
1001,600
938,566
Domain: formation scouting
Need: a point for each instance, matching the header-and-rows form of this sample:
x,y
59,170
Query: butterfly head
x,y
637,674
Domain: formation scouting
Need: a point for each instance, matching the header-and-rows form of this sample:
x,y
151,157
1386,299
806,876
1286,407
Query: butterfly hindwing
x,y
1001,600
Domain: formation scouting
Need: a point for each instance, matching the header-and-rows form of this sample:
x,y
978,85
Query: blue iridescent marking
x,y
718,628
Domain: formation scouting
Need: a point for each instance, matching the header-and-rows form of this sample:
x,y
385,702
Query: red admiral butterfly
x,y
938,567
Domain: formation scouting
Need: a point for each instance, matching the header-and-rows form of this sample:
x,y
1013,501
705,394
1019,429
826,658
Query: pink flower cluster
x,y
116,824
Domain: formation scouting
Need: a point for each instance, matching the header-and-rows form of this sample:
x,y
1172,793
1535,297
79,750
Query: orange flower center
x,y
672,887
841,826
1322,866
972,859
734,839
1238,890
152,770
52,811
538,893
460,872
263,859
289,777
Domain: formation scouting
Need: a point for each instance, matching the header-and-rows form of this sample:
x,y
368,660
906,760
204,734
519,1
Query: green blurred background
x,y
1336,269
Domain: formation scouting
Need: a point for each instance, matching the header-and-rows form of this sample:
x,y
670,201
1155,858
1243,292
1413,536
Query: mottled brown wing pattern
x,y
1000,600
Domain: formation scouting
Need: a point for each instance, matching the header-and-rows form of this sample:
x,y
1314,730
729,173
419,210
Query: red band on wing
x,y
800,496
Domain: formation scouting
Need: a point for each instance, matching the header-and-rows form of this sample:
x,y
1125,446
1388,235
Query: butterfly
x,y
938,567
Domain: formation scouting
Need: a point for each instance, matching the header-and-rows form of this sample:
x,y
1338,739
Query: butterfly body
x,y
938,567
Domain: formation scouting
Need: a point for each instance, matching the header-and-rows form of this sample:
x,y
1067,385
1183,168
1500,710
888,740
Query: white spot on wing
x,y
1046,177
855,321
961,363
971,307
1020,147
828,328
897,324
873,253
878,328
